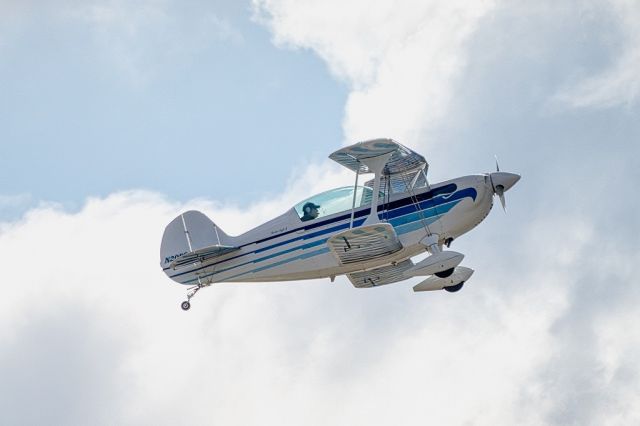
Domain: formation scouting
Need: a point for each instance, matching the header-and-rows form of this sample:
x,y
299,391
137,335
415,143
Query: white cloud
x,y
404,61
87,314
540,356
543,333
619,83
401,59
14,206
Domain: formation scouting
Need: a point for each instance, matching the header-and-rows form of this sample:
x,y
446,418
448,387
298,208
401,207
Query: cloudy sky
x,y
115,116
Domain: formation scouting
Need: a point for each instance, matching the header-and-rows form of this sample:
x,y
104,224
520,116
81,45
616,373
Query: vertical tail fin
x,y
187,233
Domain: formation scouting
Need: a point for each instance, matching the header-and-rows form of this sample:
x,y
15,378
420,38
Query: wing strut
x,y
376,165
355,193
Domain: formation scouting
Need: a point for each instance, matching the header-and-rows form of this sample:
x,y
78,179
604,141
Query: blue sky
x,y
197,112
116,116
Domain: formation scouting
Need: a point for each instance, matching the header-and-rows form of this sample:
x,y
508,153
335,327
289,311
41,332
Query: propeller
x,y
501,182
499,189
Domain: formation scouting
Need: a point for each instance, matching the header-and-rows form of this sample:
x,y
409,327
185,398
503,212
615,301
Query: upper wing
x,y
201,255
402,160
364,243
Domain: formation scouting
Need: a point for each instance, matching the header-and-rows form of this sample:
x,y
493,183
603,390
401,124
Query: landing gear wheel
x,y
446,273
454,288
192,292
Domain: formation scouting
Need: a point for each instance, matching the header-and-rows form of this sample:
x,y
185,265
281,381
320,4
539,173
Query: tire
x,y
444,274
454,288
185,306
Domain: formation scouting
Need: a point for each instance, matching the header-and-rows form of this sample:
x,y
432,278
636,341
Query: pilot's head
x,y
310,210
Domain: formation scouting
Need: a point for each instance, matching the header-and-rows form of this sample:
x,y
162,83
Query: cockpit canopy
x,y
332,201
341,199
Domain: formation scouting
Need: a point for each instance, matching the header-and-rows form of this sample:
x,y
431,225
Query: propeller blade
x,y
499,191
501,181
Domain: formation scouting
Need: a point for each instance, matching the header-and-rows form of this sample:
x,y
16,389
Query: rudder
x,y
189,232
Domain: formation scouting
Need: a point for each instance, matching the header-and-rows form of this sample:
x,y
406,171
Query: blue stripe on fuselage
x,y
439,193
405,223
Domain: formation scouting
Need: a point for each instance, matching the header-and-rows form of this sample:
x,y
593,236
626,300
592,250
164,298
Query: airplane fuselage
x,y
286,248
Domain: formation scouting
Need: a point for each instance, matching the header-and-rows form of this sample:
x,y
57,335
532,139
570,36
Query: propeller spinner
x,y
501,182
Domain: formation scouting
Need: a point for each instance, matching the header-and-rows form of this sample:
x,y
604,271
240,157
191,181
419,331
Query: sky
x,y
116,116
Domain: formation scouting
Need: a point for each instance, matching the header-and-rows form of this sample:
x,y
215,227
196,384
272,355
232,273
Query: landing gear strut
x,y
193,290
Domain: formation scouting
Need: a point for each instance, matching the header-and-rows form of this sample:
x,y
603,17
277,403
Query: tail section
x,y
190,232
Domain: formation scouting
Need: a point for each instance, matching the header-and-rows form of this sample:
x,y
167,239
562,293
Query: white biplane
x,y
370,233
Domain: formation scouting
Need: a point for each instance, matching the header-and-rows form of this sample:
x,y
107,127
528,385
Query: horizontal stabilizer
x,y
460,275
201,256
365,243
380,276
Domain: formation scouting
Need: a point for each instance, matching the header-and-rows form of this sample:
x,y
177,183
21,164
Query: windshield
x,y
331,202
401,183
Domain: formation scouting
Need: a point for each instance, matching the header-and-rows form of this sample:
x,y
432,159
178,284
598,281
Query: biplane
x,y
367,232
